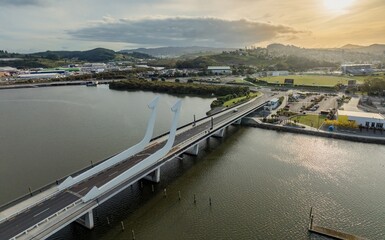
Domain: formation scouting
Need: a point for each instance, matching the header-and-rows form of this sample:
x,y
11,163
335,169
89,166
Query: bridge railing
x,y
47,219
28,207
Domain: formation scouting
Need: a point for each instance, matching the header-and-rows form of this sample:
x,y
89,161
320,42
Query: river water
x,y
261,183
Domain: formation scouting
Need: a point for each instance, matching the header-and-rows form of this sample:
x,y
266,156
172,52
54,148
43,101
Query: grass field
x,y
311,80
234,101
310,120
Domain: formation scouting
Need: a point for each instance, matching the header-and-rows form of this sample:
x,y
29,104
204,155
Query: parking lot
x,y
328,102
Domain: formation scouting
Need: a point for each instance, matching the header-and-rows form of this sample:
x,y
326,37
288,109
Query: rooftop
x,y
356,65
361,114
218,68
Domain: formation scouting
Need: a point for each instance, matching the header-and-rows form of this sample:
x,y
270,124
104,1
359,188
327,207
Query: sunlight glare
x,y
338,5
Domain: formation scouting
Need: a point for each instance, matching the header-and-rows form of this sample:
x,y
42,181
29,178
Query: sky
x,y
40,25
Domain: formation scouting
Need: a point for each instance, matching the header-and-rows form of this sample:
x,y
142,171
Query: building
x,y
272,104
93,67
39,76
357,69
277,73
9,70
289,81
365,119
220,70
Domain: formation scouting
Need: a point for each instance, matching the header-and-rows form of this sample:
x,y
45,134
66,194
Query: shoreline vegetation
x,y
224,94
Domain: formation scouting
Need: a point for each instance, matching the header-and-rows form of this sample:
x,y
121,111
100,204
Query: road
x,y
36,214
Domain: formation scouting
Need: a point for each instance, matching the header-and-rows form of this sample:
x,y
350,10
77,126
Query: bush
x,y
341,123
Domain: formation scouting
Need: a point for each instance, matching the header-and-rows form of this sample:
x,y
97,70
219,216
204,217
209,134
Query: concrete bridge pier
x,y
87,220
220,133
154,176
194,150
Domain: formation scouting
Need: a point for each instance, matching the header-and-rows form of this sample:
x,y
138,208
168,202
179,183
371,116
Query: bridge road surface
x,y
38,213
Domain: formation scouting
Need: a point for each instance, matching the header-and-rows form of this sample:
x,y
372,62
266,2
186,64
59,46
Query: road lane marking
x,y
82,190
41,212
113,173
74,193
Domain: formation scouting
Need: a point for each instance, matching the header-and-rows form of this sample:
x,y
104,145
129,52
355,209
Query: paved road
x,y
34,215
40,212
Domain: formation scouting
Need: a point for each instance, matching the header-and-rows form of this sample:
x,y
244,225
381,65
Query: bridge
x,y
74,198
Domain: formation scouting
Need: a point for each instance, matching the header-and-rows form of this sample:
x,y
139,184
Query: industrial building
x,y
219,70
277,73
39,76
357,69
365,119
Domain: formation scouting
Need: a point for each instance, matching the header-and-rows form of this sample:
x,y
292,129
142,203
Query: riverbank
x,y
253,122
51,84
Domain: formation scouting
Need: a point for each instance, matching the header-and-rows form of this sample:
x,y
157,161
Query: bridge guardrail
x,y
47,219
28,207
219,123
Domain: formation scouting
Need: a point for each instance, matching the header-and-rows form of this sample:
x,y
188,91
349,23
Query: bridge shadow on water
x,y
109,215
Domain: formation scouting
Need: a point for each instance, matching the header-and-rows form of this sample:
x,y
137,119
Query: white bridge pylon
x,y
147,162
70,181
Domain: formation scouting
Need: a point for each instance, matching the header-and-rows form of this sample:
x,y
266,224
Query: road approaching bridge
x,y
74,198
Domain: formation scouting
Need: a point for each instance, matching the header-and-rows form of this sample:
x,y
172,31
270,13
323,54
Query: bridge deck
x,y
36,214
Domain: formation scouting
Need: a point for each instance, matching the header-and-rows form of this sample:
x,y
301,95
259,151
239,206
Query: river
x,y
261,183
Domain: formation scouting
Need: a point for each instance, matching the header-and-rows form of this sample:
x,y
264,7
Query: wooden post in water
x,y
133,234
311,218
311,212
165,192
210,201
122,226
108,221
152,188
179,196
92,164
30,192
311,222
195,199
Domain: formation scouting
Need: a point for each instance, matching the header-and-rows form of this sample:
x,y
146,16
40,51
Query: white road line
x,y
113,173
41,212
82,190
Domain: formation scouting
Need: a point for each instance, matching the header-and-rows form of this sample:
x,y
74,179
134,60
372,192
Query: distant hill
x,y
350,46
378,49
347,53
176,51
94,55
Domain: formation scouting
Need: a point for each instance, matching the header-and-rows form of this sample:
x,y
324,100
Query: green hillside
x,y
259,58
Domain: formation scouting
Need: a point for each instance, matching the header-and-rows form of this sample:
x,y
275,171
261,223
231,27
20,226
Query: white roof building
x,y
39,76
366,119
8,69
219,69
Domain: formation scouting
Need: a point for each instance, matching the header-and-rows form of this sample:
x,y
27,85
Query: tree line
x,y
179,88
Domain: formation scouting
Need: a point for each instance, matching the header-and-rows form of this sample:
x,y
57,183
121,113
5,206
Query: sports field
x,y
309,80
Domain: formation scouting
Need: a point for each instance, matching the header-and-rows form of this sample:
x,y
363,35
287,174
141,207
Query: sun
x,y
338,5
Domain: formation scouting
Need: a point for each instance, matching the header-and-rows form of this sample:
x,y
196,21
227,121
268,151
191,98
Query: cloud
x,y
21,2
181,31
